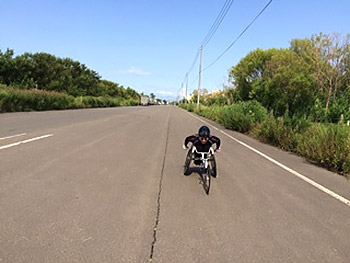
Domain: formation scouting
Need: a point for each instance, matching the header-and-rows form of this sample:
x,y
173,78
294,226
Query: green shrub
x,y
298,125
128,102
242,116
275,132
233,118
214,113
328,145
191,107
282,132
28,100
255,110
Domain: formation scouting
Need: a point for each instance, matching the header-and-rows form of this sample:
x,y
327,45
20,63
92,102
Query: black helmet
x,y
204,132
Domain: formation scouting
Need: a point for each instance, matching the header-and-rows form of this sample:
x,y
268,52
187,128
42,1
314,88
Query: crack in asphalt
x,y
159,194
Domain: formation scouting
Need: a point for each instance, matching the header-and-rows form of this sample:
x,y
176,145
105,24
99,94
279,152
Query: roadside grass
x,y
328,145
325,144
12,99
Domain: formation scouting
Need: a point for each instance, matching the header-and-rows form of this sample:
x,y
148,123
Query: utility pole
x,y
181,90
200,75
186,88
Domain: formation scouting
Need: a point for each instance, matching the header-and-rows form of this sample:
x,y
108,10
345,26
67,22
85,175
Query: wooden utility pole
x,y
200,76
186,88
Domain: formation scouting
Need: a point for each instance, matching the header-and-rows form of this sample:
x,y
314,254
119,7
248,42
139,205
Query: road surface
x,y
107,185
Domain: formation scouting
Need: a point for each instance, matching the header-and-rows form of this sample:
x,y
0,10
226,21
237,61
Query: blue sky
x,y
149,45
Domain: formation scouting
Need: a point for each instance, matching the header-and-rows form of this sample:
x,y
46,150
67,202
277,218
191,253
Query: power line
x,y
240,35
190,69
220,17
214,28
194,62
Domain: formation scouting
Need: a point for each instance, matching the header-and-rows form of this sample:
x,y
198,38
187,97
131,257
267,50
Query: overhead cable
x,y
220,17
194,62
240,35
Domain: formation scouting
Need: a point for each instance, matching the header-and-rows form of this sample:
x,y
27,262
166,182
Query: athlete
x,y
202,141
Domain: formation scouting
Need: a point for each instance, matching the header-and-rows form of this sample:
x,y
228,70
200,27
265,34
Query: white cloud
x,y
166,93
135,71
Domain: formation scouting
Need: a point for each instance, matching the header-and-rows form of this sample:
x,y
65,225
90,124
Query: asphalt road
x,y
107,185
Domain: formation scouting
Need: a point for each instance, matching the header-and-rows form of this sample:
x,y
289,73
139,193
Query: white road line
x,y
302,177
17,135
26,141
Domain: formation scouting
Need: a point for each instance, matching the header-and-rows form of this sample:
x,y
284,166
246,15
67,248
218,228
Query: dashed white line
x,y
302,177
26,141
17,135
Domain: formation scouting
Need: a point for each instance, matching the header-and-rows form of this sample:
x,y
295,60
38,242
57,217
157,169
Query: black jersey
x,y
200,146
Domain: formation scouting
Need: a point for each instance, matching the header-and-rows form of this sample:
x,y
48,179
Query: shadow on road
x,y
192,170
198,171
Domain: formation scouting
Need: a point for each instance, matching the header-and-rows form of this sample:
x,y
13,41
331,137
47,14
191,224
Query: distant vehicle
x,y
145,101
152,101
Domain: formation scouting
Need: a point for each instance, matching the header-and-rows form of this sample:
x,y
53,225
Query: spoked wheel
x,y
188,161
213,166
206,178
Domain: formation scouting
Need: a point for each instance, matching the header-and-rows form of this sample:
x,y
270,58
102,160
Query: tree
x,y
232,95
249,72
194,97
289,85
279,79
47,72
329,55
6,66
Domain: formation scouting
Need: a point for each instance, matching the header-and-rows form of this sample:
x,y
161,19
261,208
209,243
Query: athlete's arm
x,y
188,139
216,140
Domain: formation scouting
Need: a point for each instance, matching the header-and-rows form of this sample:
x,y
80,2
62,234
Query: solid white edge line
x,y
26,141
303,177
17,135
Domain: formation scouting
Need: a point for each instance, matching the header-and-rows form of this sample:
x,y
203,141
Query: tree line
x,y
310,79
42,71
